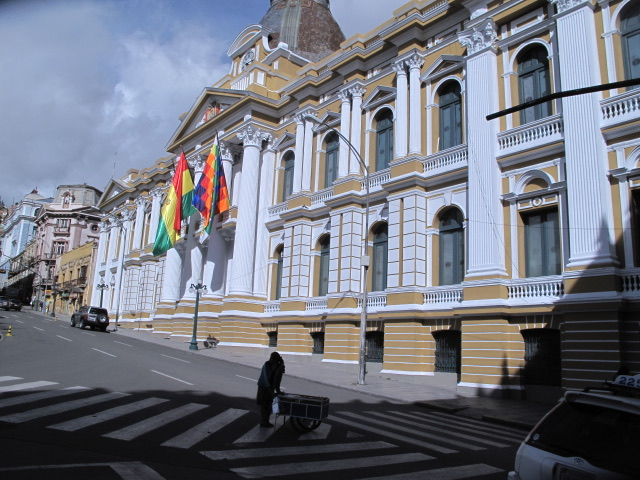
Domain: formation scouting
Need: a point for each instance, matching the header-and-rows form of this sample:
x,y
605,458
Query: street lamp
x,y
364,259
102,287
196,288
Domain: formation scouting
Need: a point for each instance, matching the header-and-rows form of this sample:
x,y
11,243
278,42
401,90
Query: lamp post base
x,y
193,345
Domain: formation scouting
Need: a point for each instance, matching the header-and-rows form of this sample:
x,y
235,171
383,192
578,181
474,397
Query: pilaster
x,y
357,91
400,134
345,130
415,63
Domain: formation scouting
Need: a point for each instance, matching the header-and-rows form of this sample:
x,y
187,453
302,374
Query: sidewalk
x,y
517,413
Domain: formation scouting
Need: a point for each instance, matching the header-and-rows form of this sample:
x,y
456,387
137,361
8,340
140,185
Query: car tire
x,y
72,323
82,324
104,329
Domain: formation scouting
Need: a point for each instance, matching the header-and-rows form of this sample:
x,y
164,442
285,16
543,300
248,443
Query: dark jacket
x,y
270,378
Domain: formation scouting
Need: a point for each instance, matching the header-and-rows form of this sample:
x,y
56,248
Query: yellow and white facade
x,y
504,253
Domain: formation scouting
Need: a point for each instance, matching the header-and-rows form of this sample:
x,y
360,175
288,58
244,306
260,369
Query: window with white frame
x,y
379,258
323,268
384,139
630,32
543,252
534,82
451,242
278,275
450,106
332,147
287,184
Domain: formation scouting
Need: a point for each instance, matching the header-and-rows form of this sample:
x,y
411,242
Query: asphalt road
x,y
80,403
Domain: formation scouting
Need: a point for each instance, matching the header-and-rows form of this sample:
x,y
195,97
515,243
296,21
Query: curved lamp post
x,y
197,288
364,259
102,287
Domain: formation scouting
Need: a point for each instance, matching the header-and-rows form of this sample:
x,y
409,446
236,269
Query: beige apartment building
x,y
502,254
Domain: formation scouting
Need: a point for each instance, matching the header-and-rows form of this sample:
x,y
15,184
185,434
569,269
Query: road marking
x,y
433,428
89,420
19,321
64,338
34,397
172,378
126,470
121,343
203,430
6,379
25,386
258,434
450,473
104,352
320,433
328,466
386,433
174,358
38,328
90,334
150,424
477,424
246,378
293,451
60,408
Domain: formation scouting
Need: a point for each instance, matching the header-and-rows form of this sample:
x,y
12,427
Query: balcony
x,y
446,295
317,304
524,291
446,161
631,283
621,108
532,135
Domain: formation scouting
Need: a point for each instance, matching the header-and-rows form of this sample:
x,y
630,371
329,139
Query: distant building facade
x,y
503,254
70,220
74,273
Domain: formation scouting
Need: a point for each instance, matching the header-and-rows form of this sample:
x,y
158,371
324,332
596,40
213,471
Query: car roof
x,y
616,402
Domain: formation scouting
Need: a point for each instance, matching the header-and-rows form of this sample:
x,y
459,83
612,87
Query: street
x,y
77,403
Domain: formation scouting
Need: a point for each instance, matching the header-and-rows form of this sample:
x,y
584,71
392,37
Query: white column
x,y
139,222
345,130
486,235
172,278
308,150
156,195
244,253
262,236
400,134
299,160
227,165
415,63
357,91
588,190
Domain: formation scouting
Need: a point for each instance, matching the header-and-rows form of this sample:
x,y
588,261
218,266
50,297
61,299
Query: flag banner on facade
x,y
177,207
211,196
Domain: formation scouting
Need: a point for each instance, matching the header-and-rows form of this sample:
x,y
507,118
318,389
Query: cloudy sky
x,y
91,88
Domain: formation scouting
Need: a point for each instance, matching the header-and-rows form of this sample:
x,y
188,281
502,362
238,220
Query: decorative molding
x,y
564,5
414,61
251,137
480,37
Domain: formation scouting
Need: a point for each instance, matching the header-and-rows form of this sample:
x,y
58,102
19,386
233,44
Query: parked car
x,y
10,304
94,317
587,436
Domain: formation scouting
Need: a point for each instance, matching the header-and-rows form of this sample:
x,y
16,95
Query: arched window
x,y
384,139
542,243
450,105
332,147
630,31
279,268
323,269
451,247
287,184
379,260
533,82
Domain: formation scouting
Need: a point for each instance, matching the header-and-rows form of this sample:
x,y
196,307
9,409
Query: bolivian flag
x,y
177,207
211,195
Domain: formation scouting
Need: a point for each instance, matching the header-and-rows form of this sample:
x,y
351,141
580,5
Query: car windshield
x,y
606,438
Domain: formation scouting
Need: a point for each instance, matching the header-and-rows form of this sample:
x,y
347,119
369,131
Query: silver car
x,y
586,436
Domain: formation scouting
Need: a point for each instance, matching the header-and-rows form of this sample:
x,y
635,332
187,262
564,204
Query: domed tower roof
x,y
307,26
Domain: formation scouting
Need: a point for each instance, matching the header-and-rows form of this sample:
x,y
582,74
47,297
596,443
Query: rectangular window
x,y
542,243
451,126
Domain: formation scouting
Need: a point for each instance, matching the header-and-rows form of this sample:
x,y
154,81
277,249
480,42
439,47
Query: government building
x,y
497,255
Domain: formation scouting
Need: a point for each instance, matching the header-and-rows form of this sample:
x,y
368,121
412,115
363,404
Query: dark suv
x,y
94,317
10,304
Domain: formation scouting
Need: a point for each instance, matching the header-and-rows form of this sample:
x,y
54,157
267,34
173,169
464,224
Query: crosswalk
x,y
347,440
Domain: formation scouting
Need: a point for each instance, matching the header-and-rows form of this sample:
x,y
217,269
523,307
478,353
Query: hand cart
x,y
306,412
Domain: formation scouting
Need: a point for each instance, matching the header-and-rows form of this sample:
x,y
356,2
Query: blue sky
x,y
91,88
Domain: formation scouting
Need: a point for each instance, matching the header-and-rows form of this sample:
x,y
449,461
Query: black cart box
x,y
303,406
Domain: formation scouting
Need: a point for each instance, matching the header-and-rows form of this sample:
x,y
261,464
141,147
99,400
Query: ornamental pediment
x,y
444,65
379,96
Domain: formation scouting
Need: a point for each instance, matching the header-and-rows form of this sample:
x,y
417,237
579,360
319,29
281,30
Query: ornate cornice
x,y
564,5
252,137
480,37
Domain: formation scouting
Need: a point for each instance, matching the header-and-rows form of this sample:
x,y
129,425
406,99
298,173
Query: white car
x,y
586,436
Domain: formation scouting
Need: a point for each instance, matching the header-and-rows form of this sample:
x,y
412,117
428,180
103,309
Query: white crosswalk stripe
x,y
288,468
8,379
203,430
433,428
296,450
153,423
110,414
25,386
452,473
34,397
60,407
447,419
258,434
